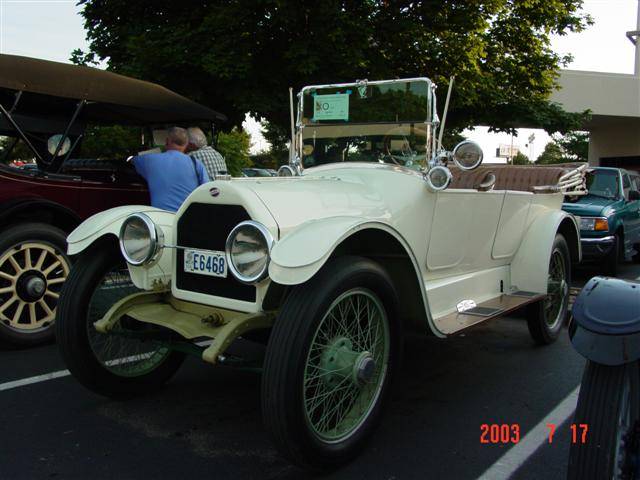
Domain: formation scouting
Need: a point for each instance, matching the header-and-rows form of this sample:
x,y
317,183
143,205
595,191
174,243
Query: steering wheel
x,y
407,155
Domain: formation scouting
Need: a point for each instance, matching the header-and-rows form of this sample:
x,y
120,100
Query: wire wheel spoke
x,y
353,331
557,288
123,351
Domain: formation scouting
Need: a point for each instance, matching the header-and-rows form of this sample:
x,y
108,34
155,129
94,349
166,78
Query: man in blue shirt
x,y
172,175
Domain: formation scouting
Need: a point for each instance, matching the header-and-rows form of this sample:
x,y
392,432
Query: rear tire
x,y
609,404
329,363
33,267
546,317
108,364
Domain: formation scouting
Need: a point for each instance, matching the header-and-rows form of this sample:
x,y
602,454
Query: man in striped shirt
x,y
199,150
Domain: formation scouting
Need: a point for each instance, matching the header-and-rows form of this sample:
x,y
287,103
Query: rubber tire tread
x,y
71,332
26,232
611,263
535,313
598,405
280,420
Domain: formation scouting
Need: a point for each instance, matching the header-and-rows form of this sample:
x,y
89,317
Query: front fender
x,y
108,223
530,265
606,321
300,254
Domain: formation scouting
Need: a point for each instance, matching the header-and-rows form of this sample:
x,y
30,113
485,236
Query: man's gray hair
x,y
197,137
177,136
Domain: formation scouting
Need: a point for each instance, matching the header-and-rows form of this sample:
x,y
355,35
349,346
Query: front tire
x,y
329,363
609,403
545,318
33,267
120,364
610,264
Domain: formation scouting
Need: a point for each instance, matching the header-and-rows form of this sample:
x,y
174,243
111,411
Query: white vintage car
x,y
371,231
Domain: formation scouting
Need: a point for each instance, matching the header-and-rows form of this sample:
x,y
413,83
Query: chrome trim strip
x,y
602,240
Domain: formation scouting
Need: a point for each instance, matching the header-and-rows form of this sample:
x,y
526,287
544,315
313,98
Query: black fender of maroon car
x,y
38,210
605,327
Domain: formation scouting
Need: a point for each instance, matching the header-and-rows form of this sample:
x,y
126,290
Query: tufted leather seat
x,y
508,177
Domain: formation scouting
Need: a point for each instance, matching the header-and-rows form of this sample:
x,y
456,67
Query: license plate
x,y
205,262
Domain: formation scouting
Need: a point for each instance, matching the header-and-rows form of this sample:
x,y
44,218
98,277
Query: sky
x,y
51,29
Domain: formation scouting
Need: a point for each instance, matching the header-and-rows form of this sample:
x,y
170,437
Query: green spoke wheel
x,y
329,363
546,318
346,365
127,360
116,352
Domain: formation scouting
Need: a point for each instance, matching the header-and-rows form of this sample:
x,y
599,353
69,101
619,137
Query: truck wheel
x,y
33,267
121,363
545,318
614,257
329,362
609,403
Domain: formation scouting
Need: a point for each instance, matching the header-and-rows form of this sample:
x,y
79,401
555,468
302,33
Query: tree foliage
x,y
575,146
552,153
572,147
521,159
234,146
240,56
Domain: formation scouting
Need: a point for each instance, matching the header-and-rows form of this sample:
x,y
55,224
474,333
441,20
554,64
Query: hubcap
x,y
346,365
31,276
558,290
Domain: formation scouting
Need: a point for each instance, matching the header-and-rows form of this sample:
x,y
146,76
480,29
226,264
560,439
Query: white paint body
x,y
463,244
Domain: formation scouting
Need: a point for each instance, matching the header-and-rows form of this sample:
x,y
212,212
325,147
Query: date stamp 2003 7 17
x,y
510,433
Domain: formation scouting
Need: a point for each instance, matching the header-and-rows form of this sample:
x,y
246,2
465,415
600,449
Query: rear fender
x,y
108,223
530,265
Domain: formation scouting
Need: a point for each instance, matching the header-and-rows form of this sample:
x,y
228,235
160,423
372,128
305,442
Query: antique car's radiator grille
x,y
206,227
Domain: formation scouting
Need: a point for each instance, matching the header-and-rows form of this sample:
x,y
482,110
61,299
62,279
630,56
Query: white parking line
x,y
37,379
517,455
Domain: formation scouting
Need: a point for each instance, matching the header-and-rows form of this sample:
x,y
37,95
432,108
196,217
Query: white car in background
x,y
371,231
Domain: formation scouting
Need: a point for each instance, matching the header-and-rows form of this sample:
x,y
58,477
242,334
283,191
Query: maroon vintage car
x,y
47,108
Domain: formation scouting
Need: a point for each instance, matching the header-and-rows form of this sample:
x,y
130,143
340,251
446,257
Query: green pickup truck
x,y
609,218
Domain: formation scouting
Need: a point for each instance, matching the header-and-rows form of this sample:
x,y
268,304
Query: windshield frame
x,y
430,123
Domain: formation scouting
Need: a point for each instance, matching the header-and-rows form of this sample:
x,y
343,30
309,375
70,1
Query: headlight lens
x,y
140,239
248,248
467,155
438,178
594,224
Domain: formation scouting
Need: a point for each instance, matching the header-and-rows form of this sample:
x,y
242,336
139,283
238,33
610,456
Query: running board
x,y
493,308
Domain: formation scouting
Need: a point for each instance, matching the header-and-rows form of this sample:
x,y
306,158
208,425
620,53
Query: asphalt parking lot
x,y
206,423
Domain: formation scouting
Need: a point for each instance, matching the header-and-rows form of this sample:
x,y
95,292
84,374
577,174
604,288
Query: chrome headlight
x,y
248,248
467,155
140,239
438,178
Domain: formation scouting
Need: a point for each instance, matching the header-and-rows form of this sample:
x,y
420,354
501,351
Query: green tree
x,y
575,146
234,146
10,152
552,153
109,142
521,159
241,56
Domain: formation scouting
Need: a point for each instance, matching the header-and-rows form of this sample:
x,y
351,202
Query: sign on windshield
x,y
384,102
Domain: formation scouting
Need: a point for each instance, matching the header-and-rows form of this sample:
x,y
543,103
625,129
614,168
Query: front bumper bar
x,y
593,248
189,320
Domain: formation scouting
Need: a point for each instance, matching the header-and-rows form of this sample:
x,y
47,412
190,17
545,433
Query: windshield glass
x,y
384,122
603,183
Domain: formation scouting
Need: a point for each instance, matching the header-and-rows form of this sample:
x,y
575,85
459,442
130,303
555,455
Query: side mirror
x,y
467,155
634,195
54,141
